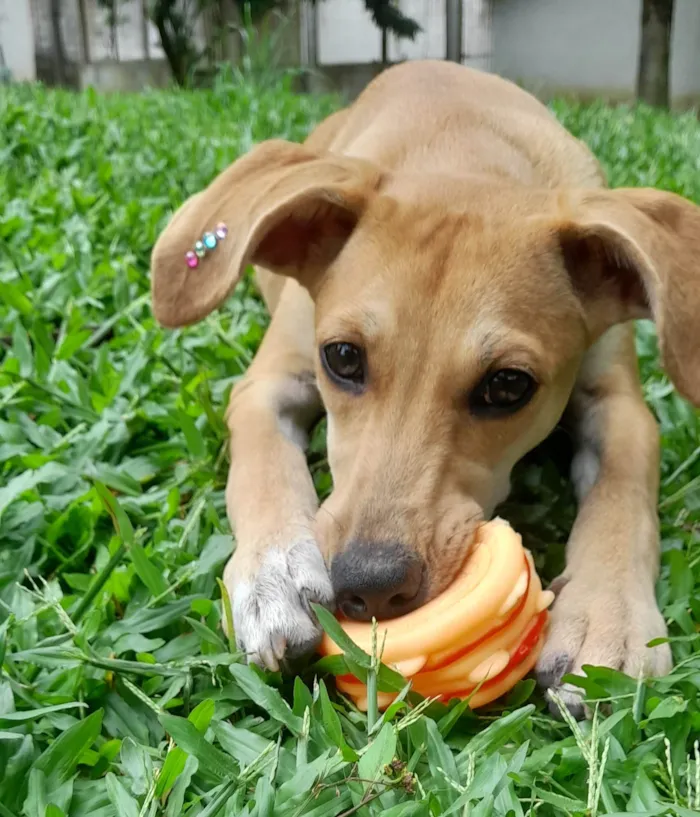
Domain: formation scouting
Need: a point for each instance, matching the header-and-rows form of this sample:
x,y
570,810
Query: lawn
x,y
119,695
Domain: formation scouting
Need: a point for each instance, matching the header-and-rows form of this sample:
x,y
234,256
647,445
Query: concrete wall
x,y
134,75
685,67
346,34
589,48
125,42
17,39
348,43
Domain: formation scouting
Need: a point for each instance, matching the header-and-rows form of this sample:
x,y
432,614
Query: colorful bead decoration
x,y
208,242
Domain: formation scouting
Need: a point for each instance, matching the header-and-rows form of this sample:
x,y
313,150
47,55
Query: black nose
x,y
379,581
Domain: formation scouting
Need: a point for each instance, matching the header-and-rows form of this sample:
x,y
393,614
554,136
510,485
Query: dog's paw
x,y
272,615
600,624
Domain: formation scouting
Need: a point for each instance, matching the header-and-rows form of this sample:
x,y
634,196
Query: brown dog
x,y
447,275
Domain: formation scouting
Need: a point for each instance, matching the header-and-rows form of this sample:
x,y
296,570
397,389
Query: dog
x,y
448,276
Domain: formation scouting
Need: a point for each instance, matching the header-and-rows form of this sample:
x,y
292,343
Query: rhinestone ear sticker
x,y
207,243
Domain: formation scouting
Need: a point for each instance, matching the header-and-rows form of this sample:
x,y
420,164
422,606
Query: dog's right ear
x,y
281,206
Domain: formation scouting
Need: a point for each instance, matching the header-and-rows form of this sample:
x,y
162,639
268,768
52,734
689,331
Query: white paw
x,y
272,615
601,624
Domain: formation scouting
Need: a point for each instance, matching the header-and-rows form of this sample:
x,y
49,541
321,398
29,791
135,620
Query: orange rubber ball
x,y
476,640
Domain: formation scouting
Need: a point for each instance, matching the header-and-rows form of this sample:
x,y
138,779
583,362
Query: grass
x,y
118,693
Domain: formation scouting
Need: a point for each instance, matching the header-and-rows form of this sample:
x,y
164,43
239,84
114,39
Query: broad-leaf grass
x,y
119,693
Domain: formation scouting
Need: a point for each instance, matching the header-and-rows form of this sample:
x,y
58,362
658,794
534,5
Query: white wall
x,y
346,34
685,65
17,38
589,47
124,43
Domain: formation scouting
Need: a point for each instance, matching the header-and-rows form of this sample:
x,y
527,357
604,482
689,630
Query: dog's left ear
x,y
635,253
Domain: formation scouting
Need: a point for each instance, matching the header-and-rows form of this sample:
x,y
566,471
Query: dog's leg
x,y
606,612
277,568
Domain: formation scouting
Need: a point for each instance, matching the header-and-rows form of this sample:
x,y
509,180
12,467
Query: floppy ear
x,y
636,254
283,207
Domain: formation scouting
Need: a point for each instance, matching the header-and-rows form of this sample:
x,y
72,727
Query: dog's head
x,y
451,320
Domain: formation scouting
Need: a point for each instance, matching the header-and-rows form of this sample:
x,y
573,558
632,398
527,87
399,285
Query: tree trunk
x,y
174,52
453,30
84,31
655,52
59,51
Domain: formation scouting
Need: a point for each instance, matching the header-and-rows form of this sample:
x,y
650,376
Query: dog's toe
x,y
551,667
272,612
599,626
569,698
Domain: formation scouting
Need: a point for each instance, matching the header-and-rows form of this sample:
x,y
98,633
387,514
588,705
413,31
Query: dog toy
x,y
476,640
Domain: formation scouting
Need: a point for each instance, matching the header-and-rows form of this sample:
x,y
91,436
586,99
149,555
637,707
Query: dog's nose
x,y
379,581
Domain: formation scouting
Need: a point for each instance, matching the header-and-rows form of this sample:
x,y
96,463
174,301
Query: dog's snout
x,y
379,581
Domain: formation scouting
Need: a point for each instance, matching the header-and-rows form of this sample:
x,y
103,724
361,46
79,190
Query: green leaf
x,y
334,631
112,478
121,522
35,804
221,797
265,696
379,754
185,734
567,804
357,660
33,714
498,733
124,804
71,343
202,714
520,693
27,480
668,708
300,783
507,802
173,767
447,723
176,798
14,297
193,436
207,635
61,758
490,773
228,615
303,699
242,744
137,765
22,348
407,810
442,764
146,620
264,798
484,808
331,721
147,571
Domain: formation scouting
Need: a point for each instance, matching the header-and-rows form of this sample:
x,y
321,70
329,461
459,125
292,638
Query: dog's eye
x,y
344,363
502,392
